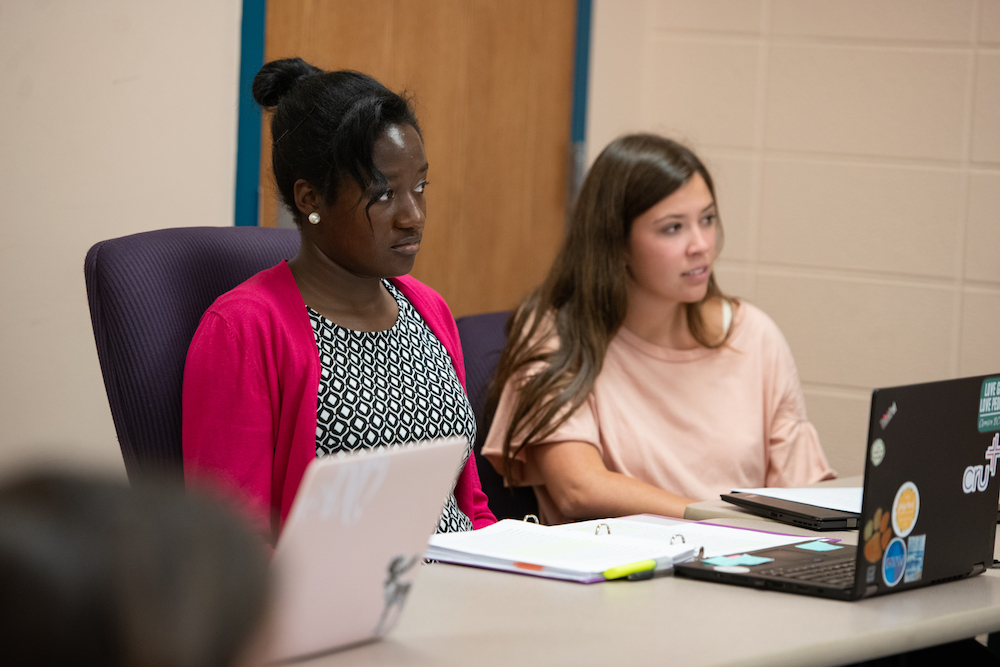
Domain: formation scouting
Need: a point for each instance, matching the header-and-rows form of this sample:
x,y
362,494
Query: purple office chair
x,y
147,293
483,337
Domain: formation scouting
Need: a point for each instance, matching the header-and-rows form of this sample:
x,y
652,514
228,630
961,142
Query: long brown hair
x,y
584,297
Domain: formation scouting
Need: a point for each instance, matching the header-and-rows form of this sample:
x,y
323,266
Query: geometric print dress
x,y
383,389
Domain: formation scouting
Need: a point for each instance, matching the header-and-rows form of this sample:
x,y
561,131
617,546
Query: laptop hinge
x,y
977,568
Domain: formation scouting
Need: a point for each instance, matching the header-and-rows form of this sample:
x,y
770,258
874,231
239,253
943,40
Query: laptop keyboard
x,y
837,573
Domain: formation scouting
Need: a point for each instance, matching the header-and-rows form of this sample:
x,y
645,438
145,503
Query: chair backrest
x,y
147,293
483,337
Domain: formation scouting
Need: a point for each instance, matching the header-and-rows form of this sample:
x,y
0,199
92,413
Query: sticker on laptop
x,y
914,558
876,535
905,509
989,405
878,452
977,478
894,562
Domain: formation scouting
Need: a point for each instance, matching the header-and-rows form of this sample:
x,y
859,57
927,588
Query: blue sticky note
x,y
751,560
718,560
819,546
743,559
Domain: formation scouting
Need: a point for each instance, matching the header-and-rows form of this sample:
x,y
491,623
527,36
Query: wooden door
x,y
492,85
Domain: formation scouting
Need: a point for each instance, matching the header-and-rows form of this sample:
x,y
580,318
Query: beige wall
x,y
856,146
118,117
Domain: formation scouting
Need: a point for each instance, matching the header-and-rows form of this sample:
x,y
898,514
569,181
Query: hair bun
x,y
277,77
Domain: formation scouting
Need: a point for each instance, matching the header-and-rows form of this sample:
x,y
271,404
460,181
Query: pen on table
x,y
643,569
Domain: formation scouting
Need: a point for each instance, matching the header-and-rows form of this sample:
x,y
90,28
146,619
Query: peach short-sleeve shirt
x,y
695,422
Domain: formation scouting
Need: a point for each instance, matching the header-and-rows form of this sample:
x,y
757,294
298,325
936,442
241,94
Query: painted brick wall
x,y
856,145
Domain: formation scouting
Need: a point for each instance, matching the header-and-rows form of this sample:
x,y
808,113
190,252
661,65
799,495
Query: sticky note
x,y
819,546
743,559
718,560
751,560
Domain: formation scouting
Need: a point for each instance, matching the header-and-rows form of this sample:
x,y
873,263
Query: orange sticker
x,y
905,509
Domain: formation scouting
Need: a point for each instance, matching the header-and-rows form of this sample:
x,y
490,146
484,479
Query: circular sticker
x,y
894,562
878,452
905,509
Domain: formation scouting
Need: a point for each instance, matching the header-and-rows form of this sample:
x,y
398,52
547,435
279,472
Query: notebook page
x,y
542,545
717,540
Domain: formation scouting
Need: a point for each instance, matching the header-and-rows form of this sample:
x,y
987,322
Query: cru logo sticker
x,y
878,452
894,562
905,509
989,406
977,478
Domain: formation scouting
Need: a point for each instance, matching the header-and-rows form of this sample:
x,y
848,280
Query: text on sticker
x,y
977,478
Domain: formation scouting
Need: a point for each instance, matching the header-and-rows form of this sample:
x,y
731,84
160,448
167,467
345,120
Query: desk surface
x,y
470,617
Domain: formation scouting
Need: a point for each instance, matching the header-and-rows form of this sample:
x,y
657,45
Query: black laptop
x,y
793,513
929,502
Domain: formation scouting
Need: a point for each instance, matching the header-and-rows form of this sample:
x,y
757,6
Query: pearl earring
x,y
314,218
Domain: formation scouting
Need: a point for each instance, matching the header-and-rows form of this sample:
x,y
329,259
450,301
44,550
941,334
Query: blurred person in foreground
x,y
95,573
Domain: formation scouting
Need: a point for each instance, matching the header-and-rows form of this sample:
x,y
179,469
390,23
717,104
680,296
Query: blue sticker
x,y
894,562
744,559
819,546
914,558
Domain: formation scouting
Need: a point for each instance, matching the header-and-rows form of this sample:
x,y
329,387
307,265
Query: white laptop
x,y
354,542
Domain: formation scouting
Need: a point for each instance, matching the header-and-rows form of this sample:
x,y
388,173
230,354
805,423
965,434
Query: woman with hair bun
x,y
630,383
337,350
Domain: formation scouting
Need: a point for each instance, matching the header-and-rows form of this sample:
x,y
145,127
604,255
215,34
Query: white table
x,y
470,618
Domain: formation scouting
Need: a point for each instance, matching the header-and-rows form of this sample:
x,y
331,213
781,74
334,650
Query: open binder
x,y
593,551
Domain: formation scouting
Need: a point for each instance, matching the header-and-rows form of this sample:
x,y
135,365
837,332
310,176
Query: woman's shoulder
x,y
749,317
545,334
754,328
267,294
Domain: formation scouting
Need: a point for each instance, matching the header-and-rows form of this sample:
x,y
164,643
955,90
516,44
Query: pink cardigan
x,y
250,389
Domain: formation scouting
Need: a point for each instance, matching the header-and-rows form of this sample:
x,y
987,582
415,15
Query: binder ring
x,y
674,537
597,530
529,517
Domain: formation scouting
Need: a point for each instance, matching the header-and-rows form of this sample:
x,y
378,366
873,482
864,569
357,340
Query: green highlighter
x,y
643,569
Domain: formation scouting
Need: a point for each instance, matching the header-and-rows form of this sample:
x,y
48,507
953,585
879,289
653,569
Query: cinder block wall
x,y
856,145
118,117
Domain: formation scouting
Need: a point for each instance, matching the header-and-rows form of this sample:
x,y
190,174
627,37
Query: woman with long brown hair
x,y
630,383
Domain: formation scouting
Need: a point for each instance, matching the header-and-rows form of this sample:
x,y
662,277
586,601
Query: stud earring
x,y
314,218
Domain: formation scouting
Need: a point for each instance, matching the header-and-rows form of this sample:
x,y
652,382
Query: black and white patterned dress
x,y
383,389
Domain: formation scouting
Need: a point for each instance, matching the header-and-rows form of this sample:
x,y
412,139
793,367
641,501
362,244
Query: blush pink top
x,y
695,422
251,382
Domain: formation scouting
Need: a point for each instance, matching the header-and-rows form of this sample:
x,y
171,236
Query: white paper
x,y
510,540
844,498
717,540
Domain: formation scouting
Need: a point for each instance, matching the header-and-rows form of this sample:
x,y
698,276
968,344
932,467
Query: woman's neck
x,y
360,303
665,324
